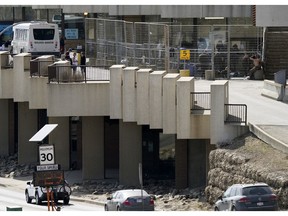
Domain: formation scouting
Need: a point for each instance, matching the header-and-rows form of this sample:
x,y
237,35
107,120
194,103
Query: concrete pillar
x,y
156,99
219,96
21,65
93,148
142,91
130,153
59,137
116,93
197,162
27,127
4,127
129,94
185,85
181,166
169,103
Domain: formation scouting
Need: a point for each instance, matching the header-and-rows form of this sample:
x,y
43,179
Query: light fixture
x,y
212,18
85,13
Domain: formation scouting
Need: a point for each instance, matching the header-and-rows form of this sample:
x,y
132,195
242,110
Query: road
x,y
15,198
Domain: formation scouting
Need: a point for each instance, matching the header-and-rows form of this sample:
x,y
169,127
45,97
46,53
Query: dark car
x,y
247,197
130,200
60,192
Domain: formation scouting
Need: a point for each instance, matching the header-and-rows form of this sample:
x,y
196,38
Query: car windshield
x,y
259,190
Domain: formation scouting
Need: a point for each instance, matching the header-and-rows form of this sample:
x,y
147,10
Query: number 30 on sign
x,y
46,154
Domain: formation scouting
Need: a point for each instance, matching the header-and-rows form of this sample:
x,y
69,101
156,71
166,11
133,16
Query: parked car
x,y
247,197
60,192
130,200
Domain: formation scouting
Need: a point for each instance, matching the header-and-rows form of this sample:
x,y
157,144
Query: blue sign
x,y
71,33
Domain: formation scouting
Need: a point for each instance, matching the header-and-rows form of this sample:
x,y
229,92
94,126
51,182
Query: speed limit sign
x,y
46,154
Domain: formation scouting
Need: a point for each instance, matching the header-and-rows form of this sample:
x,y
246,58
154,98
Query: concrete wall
x,y
78,99
27,127
185,85
130,153
142,96
93,148
4,127
116,92
271,15
169,103
156,99
59,137
165,11
6,76
38,93
197,162
181,164
129,94
219,131
21,79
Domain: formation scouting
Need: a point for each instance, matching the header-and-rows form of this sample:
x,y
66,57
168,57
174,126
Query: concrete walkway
x,y
267,118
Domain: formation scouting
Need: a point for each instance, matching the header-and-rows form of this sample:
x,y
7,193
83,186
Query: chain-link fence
x,y
225,49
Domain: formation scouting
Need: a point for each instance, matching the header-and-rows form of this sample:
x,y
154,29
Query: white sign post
x,y
46,154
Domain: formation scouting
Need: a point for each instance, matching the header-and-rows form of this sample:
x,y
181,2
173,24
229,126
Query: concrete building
x,y
107,127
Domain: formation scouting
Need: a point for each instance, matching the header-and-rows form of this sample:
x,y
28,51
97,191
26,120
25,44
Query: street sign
x,y
184,54
48,178
47,167
46,154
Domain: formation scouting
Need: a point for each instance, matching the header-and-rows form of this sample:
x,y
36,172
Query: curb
x,y
87,201
261,134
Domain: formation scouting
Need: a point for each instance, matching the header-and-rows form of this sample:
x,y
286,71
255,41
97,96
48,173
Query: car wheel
x,y
37,198
216,209
106,208
66,200
28,199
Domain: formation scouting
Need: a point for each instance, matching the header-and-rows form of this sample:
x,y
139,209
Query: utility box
x,y
13,208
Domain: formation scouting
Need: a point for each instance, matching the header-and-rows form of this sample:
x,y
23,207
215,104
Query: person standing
x,y
62,44
83,63
74,63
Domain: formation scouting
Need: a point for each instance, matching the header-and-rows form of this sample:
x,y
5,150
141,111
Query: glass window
x,y
227,192
43,34
258,190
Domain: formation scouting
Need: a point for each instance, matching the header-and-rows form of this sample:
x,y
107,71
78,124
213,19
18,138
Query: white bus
x,y
37,38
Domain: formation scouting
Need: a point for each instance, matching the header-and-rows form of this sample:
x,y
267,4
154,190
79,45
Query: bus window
x,y
43,34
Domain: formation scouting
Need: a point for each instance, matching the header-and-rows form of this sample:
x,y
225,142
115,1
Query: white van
x,y
37,38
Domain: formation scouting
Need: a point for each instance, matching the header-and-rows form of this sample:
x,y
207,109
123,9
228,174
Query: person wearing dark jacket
x,y
83,62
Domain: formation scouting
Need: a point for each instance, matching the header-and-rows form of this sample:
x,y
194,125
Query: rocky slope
x,y
247,160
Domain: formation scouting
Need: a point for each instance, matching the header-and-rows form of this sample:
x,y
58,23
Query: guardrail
x,y
80,73
200,101
39,68
235,113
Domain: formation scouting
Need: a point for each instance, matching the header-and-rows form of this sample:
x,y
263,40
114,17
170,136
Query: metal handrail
x,y
200,101
79,73
235,113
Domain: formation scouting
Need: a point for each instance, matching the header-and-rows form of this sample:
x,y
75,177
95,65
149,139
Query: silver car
x,y
247,197
130,200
